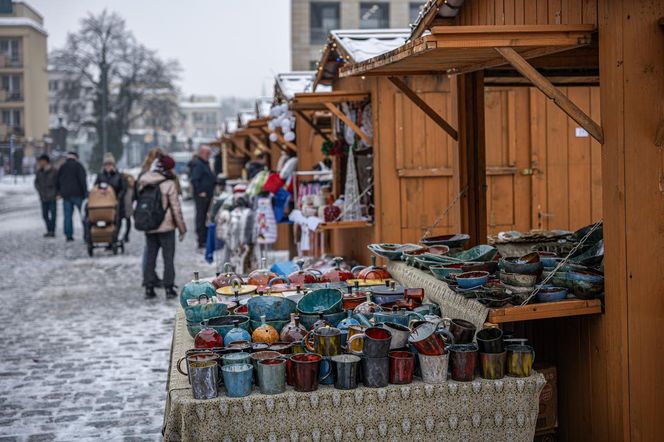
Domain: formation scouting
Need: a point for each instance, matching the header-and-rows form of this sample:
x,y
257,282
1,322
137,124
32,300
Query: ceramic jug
x,y
208,338
293,331
194,289
265,333
236,334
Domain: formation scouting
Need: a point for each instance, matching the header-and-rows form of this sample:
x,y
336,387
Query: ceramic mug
x,y
195,354
358,343
462,330
520,359
402,367
346,371
238,379
375,372
236,358
376,344
492,365
326,341
399,333
306,368
272,376
204,375
463,361
433,368
490,340
426,339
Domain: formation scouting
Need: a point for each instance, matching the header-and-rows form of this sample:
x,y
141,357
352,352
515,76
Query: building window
x,y
323,17
374,15
414,9
11,84
11,117
11,49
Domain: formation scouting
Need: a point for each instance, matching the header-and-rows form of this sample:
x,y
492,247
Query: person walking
x,y
73,188
160,177
109,174
203,180
46,183
128,203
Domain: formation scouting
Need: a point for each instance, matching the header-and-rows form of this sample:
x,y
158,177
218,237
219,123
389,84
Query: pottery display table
x,y
502,410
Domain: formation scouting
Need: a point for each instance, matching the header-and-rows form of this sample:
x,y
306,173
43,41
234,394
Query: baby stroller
x,y
102,220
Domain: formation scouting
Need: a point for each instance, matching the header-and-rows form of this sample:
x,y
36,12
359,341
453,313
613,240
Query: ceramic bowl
x,y
519,294
321,301
278,325
487,266
522,266
274,308
201,312
452,241
480,253
444,271
224,324
550,293
586,284
333,318
469,280
518,279
549,259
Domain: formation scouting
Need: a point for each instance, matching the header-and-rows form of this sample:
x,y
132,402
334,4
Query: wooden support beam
x,y
282,140
419,102
259,143
349,122
311,123
282,148
560,99
472,156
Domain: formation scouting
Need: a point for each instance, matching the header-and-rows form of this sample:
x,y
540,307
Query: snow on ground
x,y
85,356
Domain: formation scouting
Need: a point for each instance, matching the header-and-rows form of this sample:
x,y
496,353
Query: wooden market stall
x,y
608,385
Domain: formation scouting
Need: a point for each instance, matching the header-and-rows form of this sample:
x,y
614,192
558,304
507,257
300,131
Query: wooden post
x,y
472,154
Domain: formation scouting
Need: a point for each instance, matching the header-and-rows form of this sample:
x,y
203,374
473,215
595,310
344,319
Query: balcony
x,y
7,62
10,97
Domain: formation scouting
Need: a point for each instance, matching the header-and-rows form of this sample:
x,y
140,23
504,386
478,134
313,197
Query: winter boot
x,y
150,293
171,293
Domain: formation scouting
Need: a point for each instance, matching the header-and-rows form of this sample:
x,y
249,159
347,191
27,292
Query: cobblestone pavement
x,y
84,355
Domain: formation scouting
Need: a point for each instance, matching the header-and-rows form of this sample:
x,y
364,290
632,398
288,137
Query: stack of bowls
x,y
520,274
328,302
276,309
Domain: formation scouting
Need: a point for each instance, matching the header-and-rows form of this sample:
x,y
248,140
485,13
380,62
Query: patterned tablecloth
x,y
503,410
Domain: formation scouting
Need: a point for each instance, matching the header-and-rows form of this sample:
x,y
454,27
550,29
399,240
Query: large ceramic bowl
x,y
320,301
224,324
274,308
480,253
333,318
518,279
391,251
586,284
470,280
526,265
452,241
201,312
550,293
444,271
486,266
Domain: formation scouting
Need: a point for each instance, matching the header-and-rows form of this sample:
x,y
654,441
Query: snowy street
x,y
84,355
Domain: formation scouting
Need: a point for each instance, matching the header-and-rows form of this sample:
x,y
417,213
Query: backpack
x,y
149,212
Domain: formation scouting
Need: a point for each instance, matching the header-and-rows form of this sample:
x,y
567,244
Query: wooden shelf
x,y
343,225
560,309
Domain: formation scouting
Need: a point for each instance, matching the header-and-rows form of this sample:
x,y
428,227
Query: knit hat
x,y
109,158
166,162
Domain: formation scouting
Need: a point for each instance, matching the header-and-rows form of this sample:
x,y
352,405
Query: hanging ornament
x,y
352,210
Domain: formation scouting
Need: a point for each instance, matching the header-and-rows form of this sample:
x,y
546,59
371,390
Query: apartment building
x,y
23,74
312,20
201,120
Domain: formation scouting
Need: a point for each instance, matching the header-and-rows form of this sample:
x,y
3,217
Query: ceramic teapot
x,y
372,272
224,278
208,338
368,307
293,331
396,316
301,277
336,274
194,289
321,322
265,333
347,321
236,334
262,277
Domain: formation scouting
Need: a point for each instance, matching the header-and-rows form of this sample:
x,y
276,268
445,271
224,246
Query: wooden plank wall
x,y
528,12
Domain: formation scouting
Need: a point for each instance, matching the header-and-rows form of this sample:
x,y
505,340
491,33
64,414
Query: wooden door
x,y
566,163
424,163
507,159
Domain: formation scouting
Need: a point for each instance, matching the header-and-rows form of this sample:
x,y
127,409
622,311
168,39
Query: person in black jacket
x,y
73,188
109,174
203,180
46,183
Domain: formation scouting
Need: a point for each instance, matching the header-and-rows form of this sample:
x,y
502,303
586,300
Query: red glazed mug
x,y
402,365
426,339
305,368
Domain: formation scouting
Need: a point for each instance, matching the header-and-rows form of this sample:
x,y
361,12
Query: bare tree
x,y
129,81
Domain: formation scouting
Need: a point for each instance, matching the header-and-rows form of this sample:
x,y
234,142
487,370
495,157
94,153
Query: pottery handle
x,y
179,367
447,334
306,343
446,321
352,338
371,272
329,371
203,296
278,278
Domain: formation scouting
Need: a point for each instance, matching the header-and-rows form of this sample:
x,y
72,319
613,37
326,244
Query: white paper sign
x,y
581,132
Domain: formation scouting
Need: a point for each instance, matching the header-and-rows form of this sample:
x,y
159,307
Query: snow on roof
x,y
363,44
246,116
200,105
263,106
231,124
22,21
291,83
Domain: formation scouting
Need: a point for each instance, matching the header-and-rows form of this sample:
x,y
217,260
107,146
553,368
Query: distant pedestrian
x,y
128,202
73,188
109,174
46,183
203,181
160,180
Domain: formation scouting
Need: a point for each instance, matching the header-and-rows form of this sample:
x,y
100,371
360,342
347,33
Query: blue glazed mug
x,y
238,379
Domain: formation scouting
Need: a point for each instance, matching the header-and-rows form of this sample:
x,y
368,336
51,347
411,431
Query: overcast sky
x,y
226,47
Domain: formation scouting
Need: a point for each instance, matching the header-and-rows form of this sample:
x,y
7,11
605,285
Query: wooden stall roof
x,y
355,45
317,100
287,84
434,12
463,49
